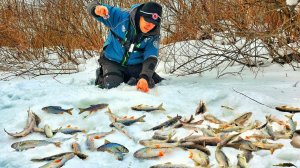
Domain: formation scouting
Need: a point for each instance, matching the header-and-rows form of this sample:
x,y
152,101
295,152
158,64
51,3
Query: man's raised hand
x,y
101,11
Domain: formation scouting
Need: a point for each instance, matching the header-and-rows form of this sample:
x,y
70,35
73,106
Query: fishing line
x,y
252,99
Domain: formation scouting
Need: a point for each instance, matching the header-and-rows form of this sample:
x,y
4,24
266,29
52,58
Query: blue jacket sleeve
x,y
115,14
151,49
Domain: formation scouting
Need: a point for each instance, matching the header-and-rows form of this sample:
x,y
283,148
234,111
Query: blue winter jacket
x,y
118,23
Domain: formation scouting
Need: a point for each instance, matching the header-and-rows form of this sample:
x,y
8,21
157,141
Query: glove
x,y
142,85
101,11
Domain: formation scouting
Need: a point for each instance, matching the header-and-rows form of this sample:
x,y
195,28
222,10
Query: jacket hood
x,y
133,12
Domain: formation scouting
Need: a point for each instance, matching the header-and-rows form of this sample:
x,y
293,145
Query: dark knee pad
x,y
112,80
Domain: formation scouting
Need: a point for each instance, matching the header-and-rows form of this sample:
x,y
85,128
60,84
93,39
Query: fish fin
x,y
6,131
97,137
106,141
141,119
272,150
57,144
160,107
160,153
190,154
170,135
157,146
69,111
81,110
57,160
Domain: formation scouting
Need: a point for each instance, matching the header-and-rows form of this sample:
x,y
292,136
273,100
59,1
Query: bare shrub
x,y
54,37
252,33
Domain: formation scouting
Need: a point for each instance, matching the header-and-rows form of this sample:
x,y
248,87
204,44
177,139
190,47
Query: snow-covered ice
x,y
273,86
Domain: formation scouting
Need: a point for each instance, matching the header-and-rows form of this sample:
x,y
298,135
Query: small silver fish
x,y
59,162
69,130
227,139
99,135
49,158
199,139
289,109
111,115
31,123
167,123
93,108
149,153
268,146
221,158
200,158
158,143
120,128
241,119
148,108
129,121
170,165
191,145
213,119
90,138
117,149
57,110
285,165
28,144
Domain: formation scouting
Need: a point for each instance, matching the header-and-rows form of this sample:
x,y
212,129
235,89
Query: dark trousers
x,y
111,74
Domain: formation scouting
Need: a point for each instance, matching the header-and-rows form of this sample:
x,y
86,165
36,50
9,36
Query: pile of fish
x,y
207,130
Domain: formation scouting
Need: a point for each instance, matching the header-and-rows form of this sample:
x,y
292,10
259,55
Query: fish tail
x,y
146,130
141,119
160,107
289,116
57,144
69,111
81,110
6,131
36,160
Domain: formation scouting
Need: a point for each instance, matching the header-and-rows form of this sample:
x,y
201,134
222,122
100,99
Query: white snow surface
x,y
273,86
292,2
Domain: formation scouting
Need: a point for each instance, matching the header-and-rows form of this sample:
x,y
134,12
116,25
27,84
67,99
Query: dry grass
x,y
63,26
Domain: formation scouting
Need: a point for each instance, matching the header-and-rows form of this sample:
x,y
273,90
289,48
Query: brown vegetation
x,y
265,24
31,32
